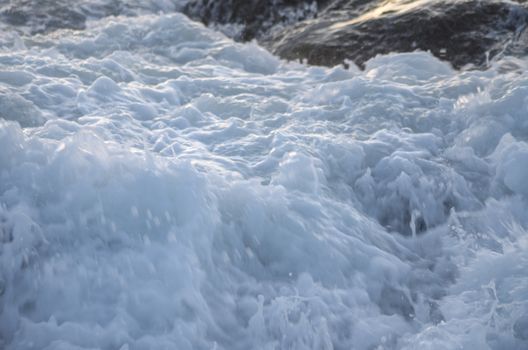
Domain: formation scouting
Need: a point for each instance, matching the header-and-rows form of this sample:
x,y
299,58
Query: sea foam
x,y
162,187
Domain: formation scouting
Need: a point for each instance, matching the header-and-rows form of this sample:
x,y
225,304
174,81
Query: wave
x,y
162,186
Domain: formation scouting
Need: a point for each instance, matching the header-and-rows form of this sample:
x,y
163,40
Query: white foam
x,y
164,187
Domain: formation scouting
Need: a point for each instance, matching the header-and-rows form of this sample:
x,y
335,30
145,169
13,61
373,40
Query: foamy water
x,y
162,187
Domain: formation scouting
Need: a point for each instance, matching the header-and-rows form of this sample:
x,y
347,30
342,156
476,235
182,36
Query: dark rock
x,y
255,17
326,32
461,32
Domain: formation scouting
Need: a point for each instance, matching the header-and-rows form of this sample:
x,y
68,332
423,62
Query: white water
x,y
162,187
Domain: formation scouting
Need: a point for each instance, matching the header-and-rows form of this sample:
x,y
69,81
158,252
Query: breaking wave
x,y
162,187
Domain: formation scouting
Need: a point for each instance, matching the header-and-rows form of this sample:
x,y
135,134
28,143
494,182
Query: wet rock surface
x,y
468,32
461,32
255,18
